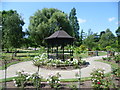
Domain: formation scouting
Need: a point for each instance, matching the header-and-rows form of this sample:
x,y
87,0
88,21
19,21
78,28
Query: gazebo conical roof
x,y
59,38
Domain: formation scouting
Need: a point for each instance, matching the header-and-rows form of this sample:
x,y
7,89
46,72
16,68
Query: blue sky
x,y
97,16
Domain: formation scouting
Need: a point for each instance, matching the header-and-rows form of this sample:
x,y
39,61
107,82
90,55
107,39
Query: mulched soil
x,y
63,67
64,85
86,84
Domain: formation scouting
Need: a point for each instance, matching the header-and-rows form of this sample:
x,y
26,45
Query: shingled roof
x,y
60,37
59,34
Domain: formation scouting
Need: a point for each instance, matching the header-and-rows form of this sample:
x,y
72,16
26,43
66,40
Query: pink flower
x,y
98,82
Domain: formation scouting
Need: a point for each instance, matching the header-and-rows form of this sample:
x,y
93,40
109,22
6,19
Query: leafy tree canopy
x,y
75,26
45,22
107,39
12,33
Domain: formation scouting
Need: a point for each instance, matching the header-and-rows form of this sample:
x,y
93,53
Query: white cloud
x,y
80,20
111,19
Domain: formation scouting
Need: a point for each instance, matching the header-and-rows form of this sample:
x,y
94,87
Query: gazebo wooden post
x,y
59,38
63,52
48,51
71,53
52,49
57,52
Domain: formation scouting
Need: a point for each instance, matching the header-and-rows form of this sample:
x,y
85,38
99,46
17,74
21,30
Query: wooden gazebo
x,y
59,38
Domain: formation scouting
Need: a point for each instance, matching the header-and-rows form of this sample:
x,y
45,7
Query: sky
x,y
97,16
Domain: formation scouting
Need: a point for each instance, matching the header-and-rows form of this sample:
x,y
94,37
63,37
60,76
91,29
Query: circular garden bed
x,y
43,62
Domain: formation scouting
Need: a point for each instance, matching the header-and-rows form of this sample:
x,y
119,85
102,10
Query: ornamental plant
x,y
99,80
42,60
117,58
54,80
116,71
24,77
36,80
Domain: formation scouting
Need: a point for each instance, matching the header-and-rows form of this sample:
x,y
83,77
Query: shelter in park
x,y
59,39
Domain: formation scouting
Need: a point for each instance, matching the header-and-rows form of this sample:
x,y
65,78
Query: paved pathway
x,y
65,74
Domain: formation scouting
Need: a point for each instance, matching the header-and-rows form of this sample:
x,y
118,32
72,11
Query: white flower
x,y
33,77
16,85
28,77
47,81
99,71
14,81
55,81
50,79
95,75
58,81
97,80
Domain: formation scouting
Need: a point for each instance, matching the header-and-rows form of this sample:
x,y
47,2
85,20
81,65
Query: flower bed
x,y
43,61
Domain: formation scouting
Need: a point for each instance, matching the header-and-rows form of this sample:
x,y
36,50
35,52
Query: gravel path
x,y
65,74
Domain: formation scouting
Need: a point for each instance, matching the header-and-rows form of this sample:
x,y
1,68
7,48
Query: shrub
x,y
43,60
40,60
54,80
104,58
117,58
116,71
23,78
73,87
99,80
36,80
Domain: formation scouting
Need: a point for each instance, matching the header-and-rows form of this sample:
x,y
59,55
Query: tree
x,y
82,36
45,22
12,33
0,29
90,41
118,36
75,25
107,39
101,33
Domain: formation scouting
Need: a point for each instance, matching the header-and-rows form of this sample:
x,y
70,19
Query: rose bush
x,y
24,77
53,80
43,60
99,80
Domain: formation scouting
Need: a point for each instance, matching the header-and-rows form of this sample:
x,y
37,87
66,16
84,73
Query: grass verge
x,y
44,80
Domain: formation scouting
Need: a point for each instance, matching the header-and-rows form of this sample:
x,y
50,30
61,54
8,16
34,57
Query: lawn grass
x,y
85,55
102,53
44,80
